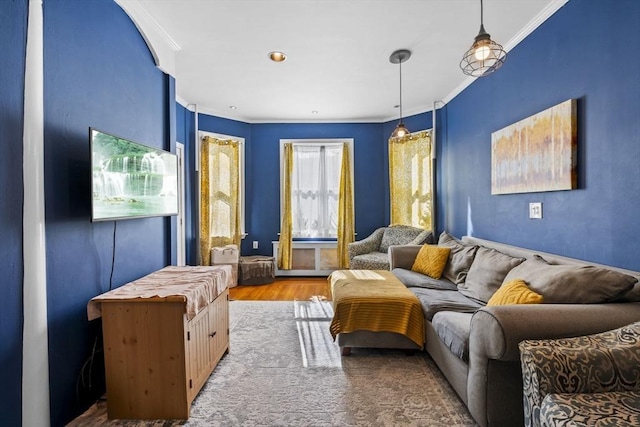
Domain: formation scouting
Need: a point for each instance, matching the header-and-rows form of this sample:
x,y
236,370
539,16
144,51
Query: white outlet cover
x,y
535,210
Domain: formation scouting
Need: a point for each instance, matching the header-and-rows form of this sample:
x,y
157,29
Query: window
x,y
315,186
222,198
411,180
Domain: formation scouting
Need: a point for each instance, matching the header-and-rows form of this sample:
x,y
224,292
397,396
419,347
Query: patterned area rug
x,y
284,369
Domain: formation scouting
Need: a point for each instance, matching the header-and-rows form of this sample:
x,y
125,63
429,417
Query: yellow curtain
x,y
219,196
205,221
410,180
284,247
345,210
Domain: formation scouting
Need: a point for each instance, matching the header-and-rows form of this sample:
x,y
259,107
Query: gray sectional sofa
x,y
476,346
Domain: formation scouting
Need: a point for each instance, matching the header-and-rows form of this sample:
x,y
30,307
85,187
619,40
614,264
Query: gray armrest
x,y
496,331
403,256
369,244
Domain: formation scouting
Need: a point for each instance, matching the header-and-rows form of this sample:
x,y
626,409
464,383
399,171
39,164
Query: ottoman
x,y
372,308
256,270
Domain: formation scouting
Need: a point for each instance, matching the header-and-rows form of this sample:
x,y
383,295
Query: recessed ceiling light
x,y
314,112
233,107
277,56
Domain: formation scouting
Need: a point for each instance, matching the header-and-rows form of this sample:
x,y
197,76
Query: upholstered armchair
x,y
370,253
591,380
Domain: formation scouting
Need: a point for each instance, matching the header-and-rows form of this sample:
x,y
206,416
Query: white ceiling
x,y
338,53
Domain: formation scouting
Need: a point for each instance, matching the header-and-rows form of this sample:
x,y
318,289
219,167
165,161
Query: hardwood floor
x,y
283,289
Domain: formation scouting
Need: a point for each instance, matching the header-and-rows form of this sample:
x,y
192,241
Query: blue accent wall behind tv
x,y
98,72
586,51
13,19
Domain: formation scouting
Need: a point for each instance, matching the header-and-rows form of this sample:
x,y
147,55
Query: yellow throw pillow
x,y
515,291
431,260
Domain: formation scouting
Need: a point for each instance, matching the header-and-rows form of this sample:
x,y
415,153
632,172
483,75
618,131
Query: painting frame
x,y
538,153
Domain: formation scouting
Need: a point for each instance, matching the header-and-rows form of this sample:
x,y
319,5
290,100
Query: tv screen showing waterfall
x,y
131,180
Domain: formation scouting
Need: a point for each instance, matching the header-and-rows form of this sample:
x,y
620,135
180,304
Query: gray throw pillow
x,y
460,258
572,284
632,296
487,273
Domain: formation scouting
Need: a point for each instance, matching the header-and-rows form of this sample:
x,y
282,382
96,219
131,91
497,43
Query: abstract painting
x,y
536,154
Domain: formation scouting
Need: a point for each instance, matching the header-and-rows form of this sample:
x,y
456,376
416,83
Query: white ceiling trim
x,y
545,14
162,46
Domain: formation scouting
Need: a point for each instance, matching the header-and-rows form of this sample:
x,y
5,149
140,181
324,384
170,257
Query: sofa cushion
x,y
431,260
515,291
412,279
453,329
436,300
572,284
487,273
460,258
403,235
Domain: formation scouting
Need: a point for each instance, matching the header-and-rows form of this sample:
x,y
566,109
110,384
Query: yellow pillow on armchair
x,y
431,260
515,291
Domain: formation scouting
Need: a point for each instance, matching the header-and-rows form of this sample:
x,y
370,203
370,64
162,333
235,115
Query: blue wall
x,y
263,195
99,73
586,51
13,19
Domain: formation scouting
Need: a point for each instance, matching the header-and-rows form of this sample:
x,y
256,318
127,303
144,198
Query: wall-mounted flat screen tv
x,y
131,180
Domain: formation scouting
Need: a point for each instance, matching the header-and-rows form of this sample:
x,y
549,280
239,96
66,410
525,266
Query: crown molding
x,y
163,48
538,20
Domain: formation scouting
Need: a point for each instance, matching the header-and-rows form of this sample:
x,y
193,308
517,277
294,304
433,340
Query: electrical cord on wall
x,y
86,388
113,255
84,382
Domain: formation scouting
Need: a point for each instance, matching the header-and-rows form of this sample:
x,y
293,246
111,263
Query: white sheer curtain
x,y
315,187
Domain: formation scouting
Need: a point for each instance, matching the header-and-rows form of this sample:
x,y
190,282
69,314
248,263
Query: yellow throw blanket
x,y
374,300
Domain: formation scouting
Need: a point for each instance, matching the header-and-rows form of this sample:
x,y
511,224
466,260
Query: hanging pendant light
x,y
398,57
485,56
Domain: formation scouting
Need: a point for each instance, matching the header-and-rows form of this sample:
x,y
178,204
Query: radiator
x,y
310,258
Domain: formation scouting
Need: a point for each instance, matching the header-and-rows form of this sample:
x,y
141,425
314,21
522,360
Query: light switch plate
x,y
535,210
255,244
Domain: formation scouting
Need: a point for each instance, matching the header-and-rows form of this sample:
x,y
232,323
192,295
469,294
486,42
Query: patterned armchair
x,y
591,380
370,253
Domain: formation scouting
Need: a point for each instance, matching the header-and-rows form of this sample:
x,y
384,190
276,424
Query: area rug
x,y
284,369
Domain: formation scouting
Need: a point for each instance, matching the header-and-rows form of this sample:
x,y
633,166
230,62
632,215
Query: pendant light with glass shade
x,y
485,56
398,57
